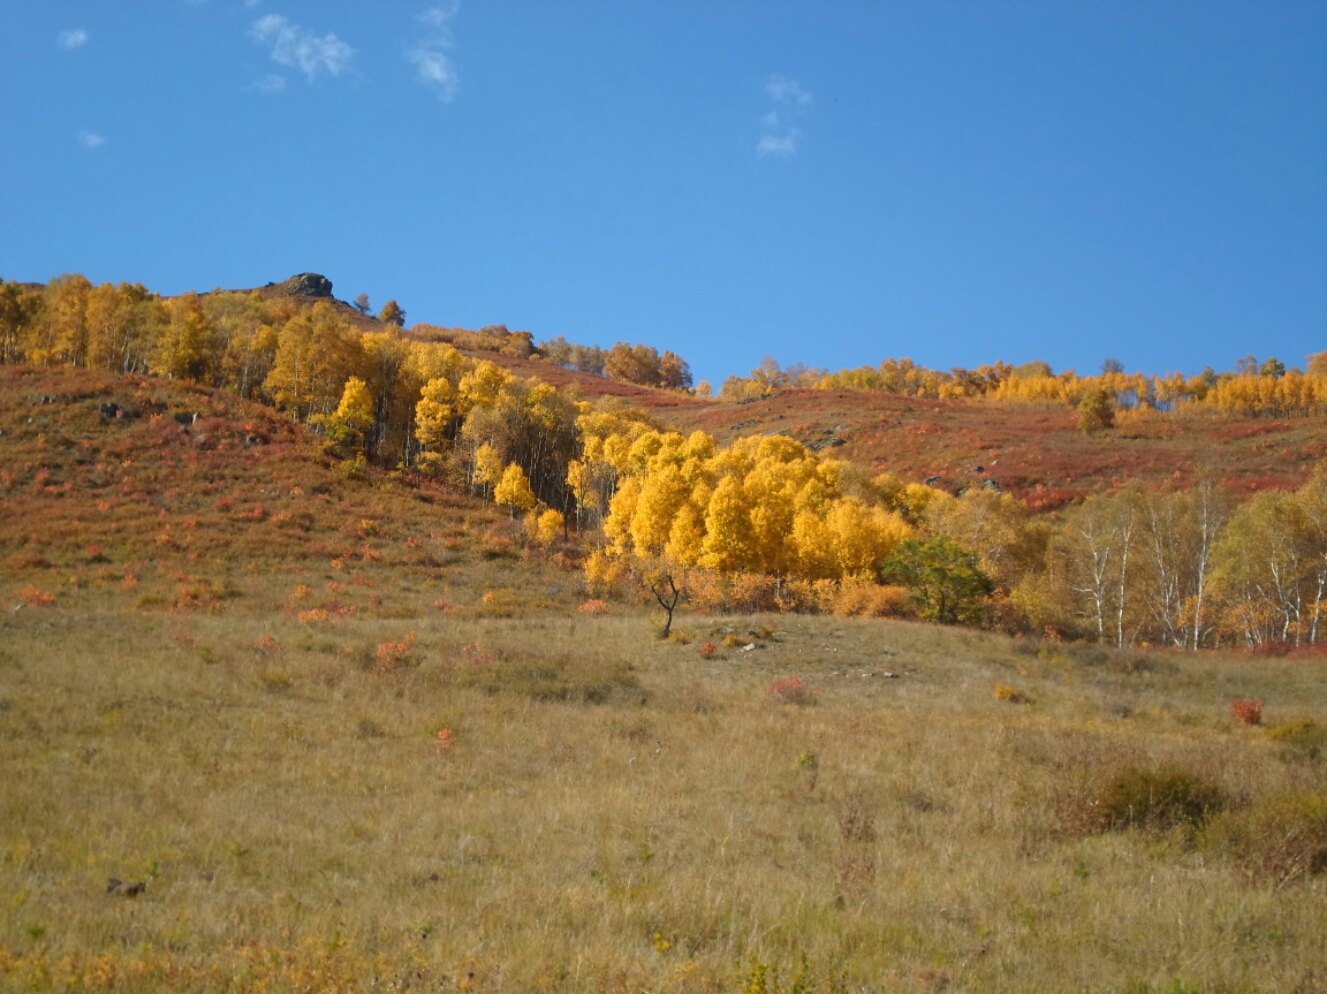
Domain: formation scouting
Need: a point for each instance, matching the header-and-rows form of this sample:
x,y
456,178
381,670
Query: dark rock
x,y
308,285
117,886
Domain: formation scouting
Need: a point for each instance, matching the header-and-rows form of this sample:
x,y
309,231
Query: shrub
x,y
367,728
1004,692
944,580
707,650
593,606
1096,411
806,596
1301,740
793,690
276,680
1157,799
750,592
859,600
390,655
1247,710
760,977
1279,838
36,597
544,528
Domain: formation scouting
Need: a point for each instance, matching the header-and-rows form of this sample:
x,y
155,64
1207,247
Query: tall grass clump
x,y
1277,839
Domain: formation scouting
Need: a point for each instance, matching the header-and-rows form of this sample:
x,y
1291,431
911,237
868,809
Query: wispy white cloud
x,y
271,83
73,38
434,67
90,139
782,90
440,15
780,145
780,127
302,49
435,70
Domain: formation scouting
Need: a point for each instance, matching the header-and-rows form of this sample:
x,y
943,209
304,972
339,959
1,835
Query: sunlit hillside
x,y
268,727
170,497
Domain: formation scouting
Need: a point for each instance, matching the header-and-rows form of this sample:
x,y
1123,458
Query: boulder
x,y
308,285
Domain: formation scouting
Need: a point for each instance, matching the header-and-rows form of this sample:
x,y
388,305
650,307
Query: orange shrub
x,y
390,655
753,592
869,600
35,597
593,606
793,690
1004,692
1247,711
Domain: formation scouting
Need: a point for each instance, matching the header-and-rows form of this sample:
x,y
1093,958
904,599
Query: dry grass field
x,y
265,728
562,802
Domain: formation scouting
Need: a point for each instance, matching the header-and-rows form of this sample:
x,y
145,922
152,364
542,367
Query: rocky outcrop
x,y
307,285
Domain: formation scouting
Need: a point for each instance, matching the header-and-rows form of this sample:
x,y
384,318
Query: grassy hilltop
x,y
271,728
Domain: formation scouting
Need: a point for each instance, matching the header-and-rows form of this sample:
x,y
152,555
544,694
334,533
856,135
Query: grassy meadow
x,y
267,728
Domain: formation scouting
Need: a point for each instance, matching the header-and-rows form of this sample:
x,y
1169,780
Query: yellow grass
x,y
224,675
613,812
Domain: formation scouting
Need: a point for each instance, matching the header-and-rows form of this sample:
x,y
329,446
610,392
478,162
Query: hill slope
x,y
234,505
1036,453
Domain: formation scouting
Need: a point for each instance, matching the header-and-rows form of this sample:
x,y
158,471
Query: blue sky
x,y
829,183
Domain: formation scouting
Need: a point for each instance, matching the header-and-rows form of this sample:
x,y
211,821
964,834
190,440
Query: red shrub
x,y
35,597
793,690
390,654
1247,711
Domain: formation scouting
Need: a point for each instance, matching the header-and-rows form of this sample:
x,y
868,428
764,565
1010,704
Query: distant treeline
x,y
1253,388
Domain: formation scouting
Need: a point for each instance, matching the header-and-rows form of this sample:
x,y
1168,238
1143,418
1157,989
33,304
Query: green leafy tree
x,y
1096,411
946,583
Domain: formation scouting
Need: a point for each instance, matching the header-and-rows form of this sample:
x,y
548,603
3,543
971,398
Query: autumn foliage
x,y
764,523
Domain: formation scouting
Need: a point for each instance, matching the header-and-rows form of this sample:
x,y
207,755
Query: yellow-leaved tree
x,y
729,544
661,496
347,426
544,527
434,416
487,471
513,490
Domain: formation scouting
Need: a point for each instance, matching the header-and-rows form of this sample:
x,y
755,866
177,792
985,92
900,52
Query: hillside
x,y
1032,451
268,727
1035,453
234,508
